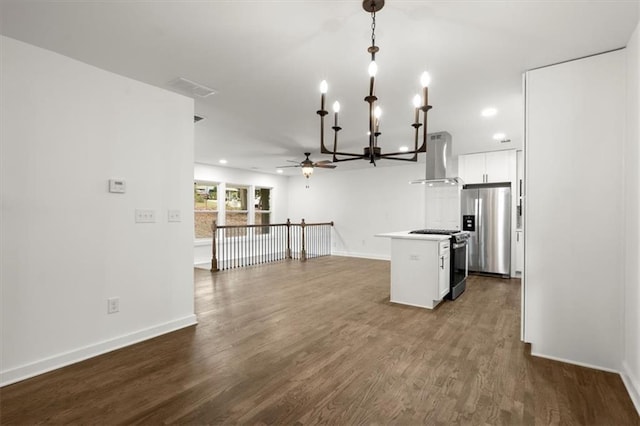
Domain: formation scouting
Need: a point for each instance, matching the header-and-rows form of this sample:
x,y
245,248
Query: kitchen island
x,y
419,268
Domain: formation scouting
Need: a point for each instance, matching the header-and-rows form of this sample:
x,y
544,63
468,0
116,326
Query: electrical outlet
x,y
174,216
113,305
414,257
145,216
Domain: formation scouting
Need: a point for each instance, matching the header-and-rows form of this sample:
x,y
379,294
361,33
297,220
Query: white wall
x,y
631,358
67,243
361,203
574,210
279,196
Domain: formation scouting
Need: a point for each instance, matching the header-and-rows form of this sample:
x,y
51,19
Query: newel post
x,y
214,259
288,239
303,252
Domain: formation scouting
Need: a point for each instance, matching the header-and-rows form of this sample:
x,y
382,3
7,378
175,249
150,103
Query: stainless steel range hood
x,y
438,158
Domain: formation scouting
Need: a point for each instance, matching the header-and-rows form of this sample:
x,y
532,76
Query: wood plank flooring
x,y
320,343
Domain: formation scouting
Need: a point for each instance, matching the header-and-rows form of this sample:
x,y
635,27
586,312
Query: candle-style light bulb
x,y
323,91
417,103
425,79
377,112
336,110
373,69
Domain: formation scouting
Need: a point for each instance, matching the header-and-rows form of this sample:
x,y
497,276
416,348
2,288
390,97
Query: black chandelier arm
x,y
425,109
323,149
412,152
340,160
412,159
336,129
350,154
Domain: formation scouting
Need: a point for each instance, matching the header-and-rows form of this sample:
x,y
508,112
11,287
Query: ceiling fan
x,y
308,165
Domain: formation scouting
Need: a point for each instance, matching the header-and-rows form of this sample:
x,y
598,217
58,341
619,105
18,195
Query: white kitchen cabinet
x,y
487,167
472,168
444,268
420,268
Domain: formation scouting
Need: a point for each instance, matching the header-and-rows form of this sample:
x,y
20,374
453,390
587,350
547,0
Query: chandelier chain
x,y
373,28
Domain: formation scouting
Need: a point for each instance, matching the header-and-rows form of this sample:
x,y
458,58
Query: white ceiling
x,y
266,59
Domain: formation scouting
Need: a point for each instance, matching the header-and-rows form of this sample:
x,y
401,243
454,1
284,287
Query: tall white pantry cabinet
x,y
574,198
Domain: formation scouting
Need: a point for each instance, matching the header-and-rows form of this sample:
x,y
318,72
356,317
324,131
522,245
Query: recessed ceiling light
x,y
499,136
222,161
489,112
280,171
403,148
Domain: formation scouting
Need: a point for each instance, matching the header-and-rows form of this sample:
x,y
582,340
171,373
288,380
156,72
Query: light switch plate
x,y
174,216
145,216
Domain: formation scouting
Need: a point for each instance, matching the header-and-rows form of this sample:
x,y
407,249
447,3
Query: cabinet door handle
x,y
441,262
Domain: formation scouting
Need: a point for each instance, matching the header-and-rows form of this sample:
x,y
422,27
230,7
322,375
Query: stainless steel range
x,y
459,258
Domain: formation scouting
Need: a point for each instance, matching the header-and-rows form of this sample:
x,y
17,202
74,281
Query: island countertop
x,y
407,236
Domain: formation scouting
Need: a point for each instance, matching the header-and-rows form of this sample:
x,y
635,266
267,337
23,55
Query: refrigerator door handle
x,y
479,231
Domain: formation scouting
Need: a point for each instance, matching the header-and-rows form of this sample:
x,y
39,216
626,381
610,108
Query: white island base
x,y
419,268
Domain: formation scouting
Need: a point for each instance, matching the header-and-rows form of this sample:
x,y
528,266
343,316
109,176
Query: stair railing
x,y
237,246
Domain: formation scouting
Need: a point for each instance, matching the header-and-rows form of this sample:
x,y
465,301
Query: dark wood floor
x,y
319,342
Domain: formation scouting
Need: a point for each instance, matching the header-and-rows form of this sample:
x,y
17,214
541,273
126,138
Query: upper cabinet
x,y
487,167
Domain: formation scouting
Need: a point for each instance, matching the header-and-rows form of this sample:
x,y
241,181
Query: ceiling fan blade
x,y
323,162
325,166
284,167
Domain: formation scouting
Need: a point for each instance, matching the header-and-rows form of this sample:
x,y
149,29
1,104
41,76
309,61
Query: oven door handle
x,y
458,245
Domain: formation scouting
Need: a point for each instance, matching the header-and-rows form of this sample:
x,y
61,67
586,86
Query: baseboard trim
x,y
568,361
361,255
632,384
27,371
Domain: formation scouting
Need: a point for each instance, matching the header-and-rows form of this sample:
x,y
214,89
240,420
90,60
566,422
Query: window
x,y
262,204
205,197
242,205
235,203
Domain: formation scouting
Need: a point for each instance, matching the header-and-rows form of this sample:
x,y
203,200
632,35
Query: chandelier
x,y
372,152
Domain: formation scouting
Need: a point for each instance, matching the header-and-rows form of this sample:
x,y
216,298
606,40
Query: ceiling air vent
x,y
191,88
197,118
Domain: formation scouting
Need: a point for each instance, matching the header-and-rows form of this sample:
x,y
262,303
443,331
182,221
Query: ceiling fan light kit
x,y
307,165
372,152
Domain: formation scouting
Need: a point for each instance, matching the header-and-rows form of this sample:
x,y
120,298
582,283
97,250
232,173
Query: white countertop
x,y
407,236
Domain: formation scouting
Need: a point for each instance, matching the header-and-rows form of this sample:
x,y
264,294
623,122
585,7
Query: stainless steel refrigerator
x,y
486,214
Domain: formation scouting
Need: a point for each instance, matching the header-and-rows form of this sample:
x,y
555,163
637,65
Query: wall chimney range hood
x,y
437,159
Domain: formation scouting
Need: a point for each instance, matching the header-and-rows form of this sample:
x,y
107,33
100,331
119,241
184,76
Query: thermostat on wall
x,y
117,185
